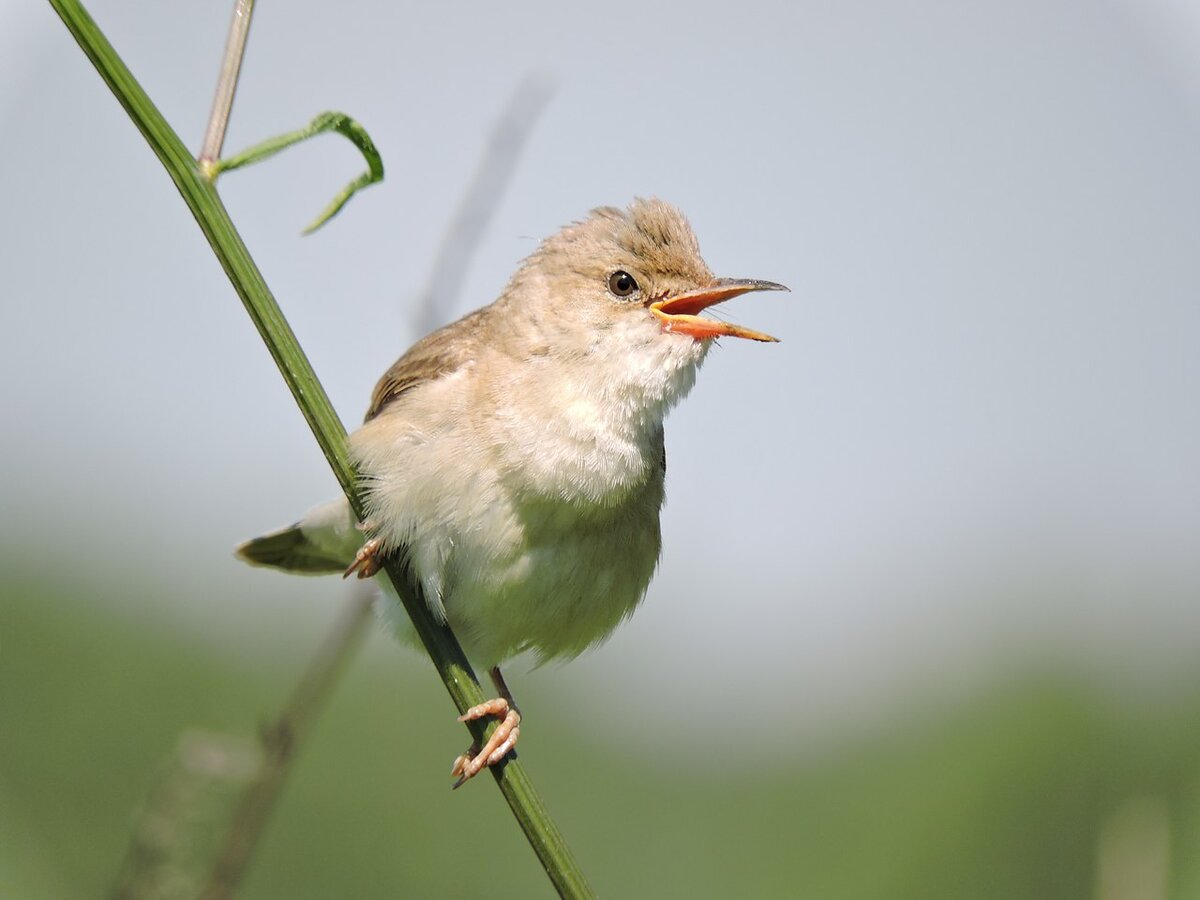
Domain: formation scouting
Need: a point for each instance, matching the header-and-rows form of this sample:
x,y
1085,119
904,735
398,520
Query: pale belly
x,y
560,581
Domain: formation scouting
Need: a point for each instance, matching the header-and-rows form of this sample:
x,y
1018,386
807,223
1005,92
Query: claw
x,y
460,762
366,561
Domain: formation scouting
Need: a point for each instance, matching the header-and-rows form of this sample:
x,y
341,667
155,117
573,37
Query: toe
x,y
497,706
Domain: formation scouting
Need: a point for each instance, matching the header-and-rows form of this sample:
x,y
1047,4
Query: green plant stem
x,y
214,222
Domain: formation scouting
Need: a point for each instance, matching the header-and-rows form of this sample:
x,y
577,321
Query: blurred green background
x,y
927,620
1036,788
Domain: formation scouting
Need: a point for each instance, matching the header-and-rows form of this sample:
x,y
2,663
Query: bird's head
x,y
632,270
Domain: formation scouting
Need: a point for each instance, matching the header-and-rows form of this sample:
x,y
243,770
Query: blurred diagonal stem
x,y
480,199
282,739
201,198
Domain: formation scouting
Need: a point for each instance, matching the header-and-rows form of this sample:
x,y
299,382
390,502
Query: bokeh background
x,y
927,620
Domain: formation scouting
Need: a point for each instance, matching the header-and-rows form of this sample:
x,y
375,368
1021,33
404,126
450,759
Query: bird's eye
x,y
621,284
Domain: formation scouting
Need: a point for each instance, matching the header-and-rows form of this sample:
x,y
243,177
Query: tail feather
x,y
322,542
291,550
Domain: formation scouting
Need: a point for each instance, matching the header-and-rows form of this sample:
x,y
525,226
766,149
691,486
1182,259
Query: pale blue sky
x,y
978,438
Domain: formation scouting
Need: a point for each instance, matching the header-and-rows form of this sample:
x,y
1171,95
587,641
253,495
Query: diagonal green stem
x,y
214,222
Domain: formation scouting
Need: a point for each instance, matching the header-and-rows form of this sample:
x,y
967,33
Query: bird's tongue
x,y
678,314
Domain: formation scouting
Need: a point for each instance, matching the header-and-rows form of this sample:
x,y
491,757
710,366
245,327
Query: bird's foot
x,y
502,741
367,560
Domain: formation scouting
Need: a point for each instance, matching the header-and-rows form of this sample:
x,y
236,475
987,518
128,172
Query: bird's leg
x,y
503,739
367,561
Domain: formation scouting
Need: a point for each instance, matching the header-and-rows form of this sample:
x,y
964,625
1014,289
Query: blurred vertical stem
x,y
201,198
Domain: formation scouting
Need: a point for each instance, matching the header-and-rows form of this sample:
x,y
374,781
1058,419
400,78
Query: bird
x,y
515,458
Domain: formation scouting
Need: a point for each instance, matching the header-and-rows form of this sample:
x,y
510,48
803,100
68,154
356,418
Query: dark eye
x,y
621,284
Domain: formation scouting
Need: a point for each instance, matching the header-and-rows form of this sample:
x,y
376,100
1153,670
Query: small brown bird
x,y
516,458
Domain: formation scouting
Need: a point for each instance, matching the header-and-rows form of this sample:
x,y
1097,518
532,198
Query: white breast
x,y
528,495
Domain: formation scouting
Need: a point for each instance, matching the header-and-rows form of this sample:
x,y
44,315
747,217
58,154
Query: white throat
x,y
589,425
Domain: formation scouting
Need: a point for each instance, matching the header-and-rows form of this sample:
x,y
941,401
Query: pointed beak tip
x,y
680,312
749,285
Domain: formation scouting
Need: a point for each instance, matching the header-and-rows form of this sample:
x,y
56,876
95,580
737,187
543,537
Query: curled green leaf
x,y
326,121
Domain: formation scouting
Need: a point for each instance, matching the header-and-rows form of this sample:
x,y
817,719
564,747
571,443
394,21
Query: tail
x,y
322,542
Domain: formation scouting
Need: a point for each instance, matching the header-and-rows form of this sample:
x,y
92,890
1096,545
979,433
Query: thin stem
x,y
281,740
326,121
513,127
227,81
200,783
214,222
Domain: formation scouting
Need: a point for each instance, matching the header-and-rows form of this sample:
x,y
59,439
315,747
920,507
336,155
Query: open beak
x,y
679,314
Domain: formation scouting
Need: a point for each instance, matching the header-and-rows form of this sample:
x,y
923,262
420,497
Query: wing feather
x,y
440,353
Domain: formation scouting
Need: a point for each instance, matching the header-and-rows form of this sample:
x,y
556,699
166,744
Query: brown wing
x,y
439,353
